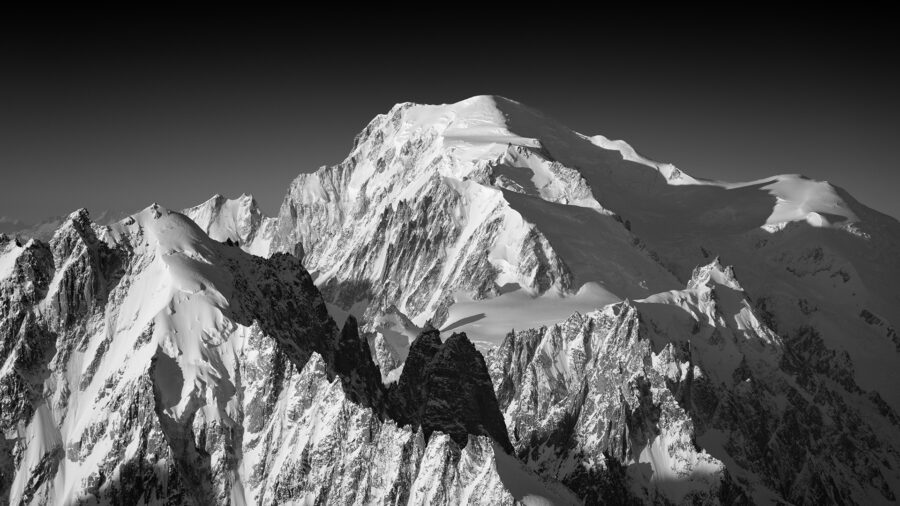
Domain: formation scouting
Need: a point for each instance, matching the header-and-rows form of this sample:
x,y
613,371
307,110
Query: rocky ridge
x,y
145,362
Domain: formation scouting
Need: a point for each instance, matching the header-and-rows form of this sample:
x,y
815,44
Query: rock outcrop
x,y
445,387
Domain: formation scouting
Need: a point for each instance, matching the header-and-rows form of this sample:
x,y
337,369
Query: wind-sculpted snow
x,y
147,363
689,396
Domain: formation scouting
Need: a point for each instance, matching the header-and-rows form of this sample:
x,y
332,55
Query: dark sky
x,y
118,114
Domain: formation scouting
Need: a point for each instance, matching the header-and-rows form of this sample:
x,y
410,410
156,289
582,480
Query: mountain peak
x,y
75,227
714,273
445,387
238,220
80,216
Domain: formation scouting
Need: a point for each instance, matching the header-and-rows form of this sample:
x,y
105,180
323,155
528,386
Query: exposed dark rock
x,y
446,387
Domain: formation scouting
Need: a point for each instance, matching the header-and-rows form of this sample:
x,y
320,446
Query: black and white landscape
x,y
478,305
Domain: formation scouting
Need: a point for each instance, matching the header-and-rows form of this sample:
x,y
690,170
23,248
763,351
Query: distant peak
x,y
78,219
716,273
76,227
79,214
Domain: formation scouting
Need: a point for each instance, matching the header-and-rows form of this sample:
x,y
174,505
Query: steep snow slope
x,y
147,363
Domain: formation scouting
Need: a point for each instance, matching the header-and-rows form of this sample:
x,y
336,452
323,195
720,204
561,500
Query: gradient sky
x,y
116,115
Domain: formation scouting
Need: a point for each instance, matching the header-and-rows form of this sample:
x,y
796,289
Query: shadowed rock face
x,y
410,394
445,387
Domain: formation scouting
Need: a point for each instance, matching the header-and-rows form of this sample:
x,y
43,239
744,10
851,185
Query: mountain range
x,y
478,305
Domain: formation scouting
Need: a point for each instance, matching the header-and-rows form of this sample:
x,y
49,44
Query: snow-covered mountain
x,y
487,216
650,337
